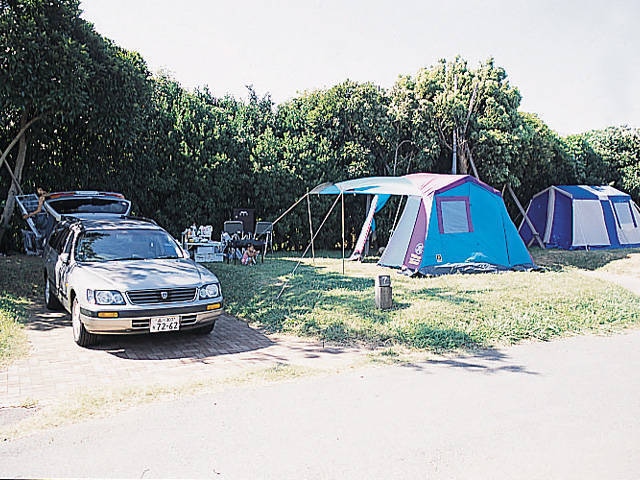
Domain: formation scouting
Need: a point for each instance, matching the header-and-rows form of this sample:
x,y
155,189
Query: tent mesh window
x,y
454,215
625,217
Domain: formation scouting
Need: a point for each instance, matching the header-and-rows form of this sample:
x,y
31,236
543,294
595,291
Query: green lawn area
x,y
439,314
20,288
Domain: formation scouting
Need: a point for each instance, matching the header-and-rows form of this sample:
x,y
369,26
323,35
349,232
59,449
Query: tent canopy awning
x,y
417,184
369,185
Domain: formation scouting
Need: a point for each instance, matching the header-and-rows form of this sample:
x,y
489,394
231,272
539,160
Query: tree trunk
x,y
17,174
462,155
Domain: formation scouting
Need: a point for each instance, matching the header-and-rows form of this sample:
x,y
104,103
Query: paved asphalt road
x,y
568,409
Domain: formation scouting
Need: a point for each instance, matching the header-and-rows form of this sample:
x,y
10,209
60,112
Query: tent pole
x,y
536,235
284,285
342,195
395,220
290,208
365,250
313,250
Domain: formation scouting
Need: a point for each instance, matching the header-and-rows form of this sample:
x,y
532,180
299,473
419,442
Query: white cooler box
x,y
209,253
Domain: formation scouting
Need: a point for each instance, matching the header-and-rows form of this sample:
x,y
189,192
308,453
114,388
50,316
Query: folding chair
x,y
233,227
247,217
264,233
232,234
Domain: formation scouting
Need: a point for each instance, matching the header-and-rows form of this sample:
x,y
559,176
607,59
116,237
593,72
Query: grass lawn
x,y
438,314
442,313
20,288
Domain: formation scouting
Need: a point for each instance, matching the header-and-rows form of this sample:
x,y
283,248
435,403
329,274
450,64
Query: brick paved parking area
x,y
56,366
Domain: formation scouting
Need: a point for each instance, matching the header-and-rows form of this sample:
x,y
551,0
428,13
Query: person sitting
x,y
249,255
42,196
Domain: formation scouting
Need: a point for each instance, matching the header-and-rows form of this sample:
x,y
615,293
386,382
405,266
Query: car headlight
x,y
105,297
211,290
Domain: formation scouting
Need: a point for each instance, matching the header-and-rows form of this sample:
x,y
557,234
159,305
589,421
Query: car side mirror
x,y
64,258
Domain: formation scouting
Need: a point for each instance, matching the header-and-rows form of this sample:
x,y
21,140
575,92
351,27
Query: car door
x,y
63,265
50,256
53,262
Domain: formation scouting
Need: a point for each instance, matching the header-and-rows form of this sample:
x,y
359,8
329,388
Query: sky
x,y
575,63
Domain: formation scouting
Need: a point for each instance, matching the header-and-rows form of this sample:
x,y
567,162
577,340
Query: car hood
x,y
126,275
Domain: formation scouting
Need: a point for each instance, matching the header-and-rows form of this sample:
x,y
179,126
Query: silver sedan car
x,y
125,275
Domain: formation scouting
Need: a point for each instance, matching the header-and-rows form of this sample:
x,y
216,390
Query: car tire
x,y
206,330
80,334
50,300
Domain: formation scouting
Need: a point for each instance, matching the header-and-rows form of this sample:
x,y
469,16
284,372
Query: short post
x,y
384,298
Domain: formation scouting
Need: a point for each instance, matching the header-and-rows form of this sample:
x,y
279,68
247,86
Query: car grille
x,y
140,297
187,320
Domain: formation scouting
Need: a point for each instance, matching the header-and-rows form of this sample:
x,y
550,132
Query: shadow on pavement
x,y
489,361
43,320
229,336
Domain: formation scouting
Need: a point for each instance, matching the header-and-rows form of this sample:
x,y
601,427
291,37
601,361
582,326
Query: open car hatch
x,y
80,204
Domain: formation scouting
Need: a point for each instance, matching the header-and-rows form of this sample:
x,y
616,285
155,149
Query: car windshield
x,y
129,244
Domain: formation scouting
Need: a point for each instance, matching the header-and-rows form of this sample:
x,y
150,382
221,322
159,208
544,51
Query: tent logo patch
x,y
438,258
416,256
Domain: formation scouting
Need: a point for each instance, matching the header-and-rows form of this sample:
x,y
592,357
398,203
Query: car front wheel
x,y
80,334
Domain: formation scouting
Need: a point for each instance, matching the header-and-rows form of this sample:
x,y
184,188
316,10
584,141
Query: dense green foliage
x,y
104,122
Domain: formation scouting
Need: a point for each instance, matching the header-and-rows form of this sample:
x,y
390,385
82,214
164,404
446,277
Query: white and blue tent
x,y
450,223
574,217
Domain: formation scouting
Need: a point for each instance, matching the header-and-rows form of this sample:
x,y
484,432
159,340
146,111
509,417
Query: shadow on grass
x,y
461,297
439,340
557,260
321,303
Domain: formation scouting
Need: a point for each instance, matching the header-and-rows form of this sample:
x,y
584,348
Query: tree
x,y
472,112
57,71
619,151
41,71
336,134
545,159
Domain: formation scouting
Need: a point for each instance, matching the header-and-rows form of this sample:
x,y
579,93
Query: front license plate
x,y
164,324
